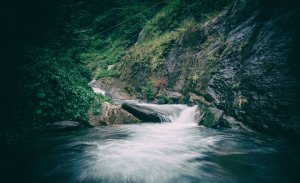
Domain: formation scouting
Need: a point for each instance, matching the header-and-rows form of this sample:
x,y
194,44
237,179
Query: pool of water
x,y
179,151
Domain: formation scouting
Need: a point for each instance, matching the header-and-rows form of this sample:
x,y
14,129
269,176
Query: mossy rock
x,y
212,117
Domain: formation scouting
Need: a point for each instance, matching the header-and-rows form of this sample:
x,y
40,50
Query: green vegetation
x,y
84,39
176,25
163,99
148,91
176,12
152,53
53,87
99,99
81,41
107,73
112,32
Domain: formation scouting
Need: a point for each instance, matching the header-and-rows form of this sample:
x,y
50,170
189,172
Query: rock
x,y
233,124
212,117
114,88
196,99
174,96
252,81
111,115
110,67
64,126
97,87
143,113
245,58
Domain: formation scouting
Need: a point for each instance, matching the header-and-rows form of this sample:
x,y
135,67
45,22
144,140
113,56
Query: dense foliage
x,y
159,36
54,47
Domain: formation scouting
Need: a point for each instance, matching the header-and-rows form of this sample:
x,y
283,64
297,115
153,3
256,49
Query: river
x,y
172,152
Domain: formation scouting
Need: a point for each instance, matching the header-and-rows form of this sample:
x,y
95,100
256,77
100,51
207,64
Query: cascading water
x,y
151,152
169,113
177,151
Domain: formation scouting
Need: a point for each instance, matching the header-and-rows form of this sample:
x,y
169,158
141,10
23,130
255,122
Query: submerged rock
x,y
144,113
64,125
111,115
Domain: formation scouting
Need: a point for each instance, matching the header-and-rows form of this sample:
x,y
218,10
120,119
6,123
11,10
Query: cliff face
x,y
244,59
258,79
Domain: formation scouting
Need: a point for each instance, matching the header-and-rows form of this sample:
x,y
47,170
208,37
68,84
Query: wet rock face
x,y
254,79
246,60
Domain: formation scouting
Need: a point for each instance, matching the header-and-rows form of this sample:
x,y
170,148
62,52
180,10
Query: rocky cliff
x,y
243,59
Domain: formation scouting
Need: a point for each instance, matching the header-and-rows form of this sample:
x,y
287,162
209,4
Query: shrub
x,y
147,91
163,99
108,73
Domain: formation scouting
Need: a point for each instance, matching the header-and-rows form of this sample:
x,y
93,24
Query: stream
x,y
179,151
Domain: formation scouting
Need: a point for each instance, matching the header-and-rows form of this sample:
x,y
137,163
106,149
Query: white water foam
x,y
96,89
153,152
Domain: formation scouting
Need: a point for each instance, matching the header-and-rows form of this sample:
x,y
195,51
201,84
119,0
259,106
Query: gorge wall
x,y
244,59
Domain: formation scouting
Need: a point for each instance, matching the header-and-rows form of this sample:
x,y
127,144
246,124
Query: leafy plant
x,y
147,91
107,73
163,99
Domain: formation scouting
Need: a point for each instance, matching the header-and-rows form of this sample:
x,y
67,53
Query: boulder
x,y
174,96
111,115
64,126
212,117
114,88
195,99
144,113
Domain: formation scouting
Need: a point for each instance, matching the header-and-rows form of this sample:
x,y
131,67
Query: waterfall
x,y
177,113
190,114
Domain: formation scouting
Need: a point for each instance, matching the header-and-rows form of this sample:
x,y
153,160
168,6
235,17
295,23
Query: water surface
x,y
179,151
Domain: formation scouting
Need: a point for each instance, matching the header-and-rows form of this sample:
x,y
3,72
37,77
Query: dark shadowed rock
x,y
64,126
257,78
144,113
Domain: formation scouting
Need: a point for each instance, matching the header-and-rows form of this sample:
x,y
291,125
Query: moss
x,y
208,119
240,101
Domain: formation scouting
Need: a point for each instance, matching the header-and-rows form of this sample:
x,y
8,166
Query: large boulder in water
x,y
211,117
144,113
111,115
